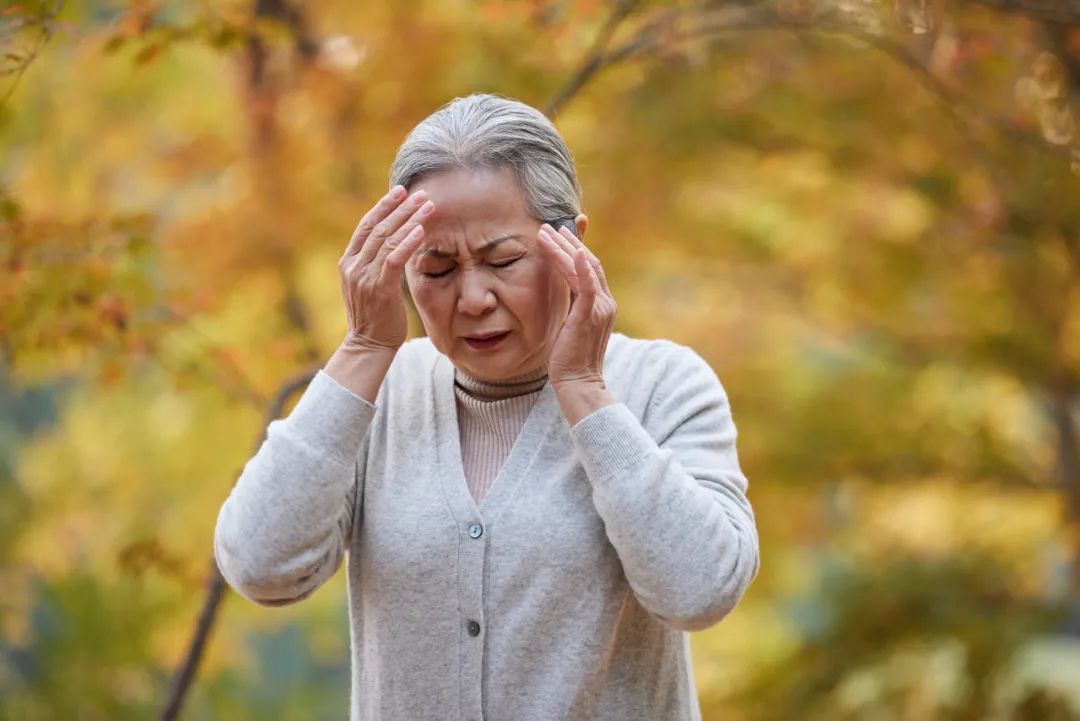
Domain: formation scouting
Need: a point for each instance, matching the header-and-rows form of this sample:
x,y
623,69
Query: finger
x,y
597,267
556,251
559,239
416,219
394,263
586,298
563,260
585,270
567,246
382,209
386,227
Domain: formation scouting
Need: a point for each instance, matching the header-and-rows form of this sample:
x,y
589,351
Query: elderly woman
x,y
535,510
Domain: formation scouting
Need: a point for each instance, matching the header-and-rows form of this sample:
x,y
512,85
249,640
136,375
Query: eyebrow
x,y
441,255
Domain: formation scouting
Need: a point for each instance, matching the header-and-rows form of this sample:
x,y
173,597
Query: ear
x,y
581,222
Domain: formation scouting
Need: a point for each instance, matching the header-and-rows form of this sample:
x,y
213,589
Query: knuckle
x,y
355,271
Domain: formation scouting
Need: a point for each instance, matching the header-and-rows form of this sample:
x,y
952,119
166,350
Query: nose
x,y
475,297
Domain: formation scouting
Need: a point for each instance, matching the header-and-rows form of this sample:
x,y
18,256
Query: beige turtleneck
x,y
490,416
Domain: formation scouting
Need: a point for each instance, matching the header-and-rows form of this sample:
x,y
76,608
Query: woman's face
x,y
479,271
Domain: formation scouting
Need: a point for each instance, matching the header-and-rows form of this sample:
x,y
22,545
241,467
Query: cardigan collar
x,y
540,424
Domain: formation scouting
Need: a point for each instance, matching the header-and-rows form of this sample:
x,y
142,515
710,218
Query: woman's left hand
x,y
577,358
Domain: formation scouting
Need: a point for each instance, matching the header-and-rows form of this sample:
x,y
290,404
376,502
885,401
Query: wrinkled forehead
x,y
474,238
472,209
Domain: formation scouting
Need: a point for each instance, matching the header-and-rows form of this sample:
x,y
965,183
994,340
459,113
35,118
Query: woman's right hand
x,y
371,269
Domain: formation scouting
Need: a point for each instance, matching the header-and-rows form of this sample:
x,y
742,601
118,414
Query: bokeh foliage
x,y
864,214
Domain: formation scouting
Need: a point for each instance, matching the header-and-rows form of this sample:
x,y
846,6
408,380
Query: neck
x,y
485,389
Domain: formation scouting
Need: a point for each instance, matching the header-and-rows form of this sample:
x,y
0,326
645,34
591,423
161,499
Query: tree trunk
x,y
1069,473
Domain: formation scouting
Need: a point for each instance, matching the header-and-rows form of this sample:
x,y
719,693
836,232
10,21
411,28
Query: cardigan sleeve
x,y
673,497
285,526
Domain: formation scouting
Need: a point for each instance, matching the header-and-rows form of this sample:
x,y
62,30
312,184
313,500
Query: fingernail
x,y
426,208
396,192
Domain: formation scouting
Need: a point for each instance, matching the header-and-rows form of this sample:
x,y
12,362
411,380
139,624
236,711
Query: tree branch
x,y
658,36
13,27
594,58
1058,12
216,586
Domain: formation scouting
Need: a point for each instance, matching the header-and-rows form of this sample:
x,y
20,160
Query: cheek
x,y
430,301
538,298
552,289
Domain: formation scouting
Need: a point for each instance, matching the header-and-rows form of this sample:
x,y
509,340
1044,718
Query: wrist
x,y
578,385
580,398
361,346
361,369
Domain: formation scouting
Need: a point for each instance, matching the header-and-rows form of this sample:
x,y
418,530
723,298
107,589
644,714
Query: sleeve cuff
x,y
330,417
610,440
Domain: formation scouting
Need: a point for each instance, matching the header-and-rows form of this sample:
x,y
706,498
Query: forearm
x,y
684,534
284,527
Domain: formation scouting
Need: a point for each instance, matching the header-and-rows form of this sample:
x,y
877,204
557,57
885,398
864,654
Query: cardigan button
x,y
474,628
475,530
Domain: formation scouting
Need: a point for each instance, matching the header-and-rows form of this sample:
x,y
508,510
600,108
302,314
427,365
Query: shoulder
x,y
658,378
668,385
417,353
411,371
655,361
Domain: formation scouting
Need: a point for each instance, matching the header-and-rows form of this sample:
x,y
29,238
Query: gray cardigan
x,y
566,594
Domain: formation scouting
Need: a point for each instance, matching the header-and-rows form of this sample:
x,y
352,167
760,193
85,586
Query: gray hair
x,y
483,131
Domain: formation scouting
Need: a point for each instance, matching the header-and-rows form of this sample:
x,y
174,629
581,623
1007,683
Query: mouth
x,y
485,341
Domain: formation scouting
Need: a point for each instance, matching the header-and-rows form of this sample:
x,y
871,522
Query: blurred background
x,y
864,213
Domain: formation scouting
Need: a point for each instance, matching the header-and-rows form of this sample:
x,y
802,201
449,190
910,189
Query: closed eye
x,y
505,263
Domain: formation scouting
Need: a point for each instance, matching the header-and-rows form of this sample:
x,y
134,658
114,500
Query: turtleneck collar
x,y
496,390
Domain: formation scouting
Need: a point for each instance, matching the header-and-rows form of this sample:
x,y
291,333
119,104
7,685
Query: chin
x,y
508,362
498,368
489,371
